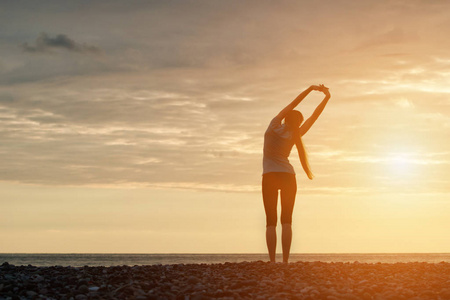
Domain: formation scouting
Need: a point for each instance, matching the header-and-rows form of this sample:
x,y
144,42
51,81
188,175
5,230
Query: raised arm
x,y
296,101
308,123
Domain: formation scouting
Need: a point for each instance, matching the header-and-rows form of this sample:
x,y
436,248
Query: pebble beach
x,y
245,280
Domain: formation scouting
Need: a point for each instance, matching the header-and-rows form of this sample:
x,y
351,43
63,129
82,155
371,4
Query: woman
x,y
278,173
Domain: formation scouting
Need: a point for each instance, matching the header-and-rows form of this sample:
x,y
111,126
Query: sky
x,y
137,126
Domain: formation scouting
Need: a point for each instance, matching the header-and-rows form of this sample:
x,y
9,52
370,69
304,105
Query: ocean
x,y
97,259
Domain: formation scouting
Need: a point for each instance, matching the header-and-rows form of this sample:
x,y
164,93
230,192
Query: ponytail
x,y
303,157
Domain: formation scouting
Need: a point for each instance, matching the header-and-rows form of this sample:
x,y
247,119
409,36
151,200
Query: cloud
x,y
6,97
185,92
44,43
392,36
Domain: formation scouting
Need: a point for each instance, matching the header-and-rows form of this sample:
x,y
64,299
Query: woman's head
x,y
294,119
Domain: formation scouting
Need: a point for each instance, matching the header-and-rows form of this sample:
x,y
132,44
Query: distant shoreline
x,y
99,259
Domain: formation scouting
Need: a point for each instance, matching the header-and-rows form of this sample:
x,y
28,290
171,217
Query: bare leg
x,y
286,238
270,198
288,193
271,239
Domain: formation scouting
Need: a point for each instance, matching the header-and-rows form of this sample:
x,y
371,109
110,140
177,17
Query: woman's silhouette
x,y
278,173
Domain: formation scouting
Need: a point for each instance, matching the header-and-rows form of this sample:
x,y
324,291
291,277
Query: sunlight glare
x,y
401,162
401,165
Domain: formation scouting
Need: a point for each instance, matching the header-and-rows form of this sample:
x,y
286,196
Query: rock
x,y
31,294
306,289
349,296
38,278
8,277
200,296
410,293
192,280
93,288
200,288
237,285
445,293
83,289
152,297
363,281
250,282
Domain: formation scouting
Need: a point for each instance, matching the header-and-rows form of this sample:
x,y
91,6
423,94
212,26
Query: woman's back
x,y
278,143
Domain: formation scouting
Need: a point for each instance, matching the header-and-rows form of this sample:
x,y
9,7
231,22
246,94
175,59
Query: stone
x,y
445,293
83,281
93,288
38,278
31,294
192,280
83,289
349,296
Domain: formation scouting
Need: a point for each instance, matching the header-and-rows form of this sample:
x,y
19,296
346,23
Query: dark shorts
x,y
287,184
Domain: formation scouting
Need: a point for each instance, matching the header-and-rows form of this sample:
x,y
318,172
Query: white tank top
x,y
278,144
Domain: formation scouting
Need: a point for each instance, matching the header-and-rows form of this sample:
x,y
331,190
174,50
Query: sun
x,y
401,157
402,166
401,162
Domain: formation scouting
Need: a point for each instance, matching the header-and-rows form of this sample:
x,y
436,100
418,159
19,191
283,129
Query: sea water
x,y
98,259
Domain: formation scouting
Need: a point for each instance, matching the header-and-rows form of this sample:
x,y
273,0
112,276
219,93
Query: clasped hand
x,y
320,88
